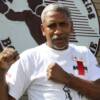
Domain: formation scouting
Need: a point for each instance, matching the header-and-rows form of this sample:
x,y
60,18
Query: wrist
x,y
2,74
69,77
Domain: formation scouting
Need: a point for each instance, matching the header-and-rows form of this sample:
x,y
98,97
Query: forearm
x,y
3,86
87,88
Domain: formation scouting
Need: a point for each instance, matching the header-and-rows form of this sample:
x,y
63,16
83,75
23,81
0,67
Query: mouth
x,y
59,42
59,39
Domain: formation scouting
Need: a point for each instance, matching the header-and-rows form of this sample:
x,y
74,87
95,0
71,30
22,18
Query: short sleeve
x,y
93,68
17,80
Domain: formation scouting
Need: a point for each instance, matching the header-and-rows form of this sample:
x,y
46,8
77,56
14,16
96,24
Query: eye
x,y
63,24
53,25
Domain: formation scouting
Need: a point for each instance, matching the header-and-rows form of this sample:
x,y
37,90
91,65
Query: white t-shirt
x,y
29,73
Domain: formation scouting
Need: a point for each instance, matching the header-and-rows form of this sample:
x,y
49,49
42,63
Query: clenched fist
x,y
57,74
7,57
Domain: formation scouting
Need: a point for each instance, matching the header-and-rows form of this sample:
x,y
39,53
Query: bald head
x,y
55,7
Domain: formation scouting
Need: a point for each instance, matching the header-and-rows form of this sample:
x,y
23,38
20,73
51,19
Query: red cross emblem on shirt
x,y
80,67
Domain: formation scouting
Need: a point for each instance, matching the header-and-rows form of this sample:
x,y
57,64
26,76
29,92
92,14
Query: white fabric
x,y
30,72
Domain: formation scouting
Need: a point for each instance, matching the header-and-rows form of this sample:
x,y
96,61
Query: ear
x,y
42,29
72,28
72,31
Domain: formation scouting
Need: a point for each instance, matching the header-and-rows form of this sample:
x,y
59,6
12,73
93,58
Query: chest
x,y
71,64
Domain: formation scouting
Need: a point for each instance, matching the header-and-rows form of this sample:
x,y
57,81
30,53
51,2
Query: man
x,y
55,70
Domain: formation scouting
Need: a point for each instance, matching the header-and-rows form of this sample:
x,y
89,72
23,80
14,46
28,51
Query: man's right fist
x,y
7,57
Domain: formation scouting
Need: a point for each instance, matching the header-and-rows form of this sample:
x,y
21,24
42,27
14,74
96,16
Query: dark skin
x,y
61,27
7,57
91,89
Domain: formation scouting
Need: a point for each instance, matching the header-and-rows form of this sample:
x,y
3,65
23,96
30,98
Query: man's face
x,y
57,28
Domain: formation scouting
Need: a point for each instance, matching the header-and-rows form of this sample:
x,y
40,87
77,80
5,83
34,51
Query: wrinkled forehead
x,y
56,11
55,16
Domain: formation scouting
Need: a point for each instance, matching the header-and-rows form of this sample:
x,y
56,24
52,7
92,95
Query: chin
x,y
60,48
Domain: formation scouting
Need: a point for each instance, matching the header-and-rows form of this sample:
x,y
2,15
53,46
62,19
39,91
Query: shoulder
x,y
32,51
80,49
83,52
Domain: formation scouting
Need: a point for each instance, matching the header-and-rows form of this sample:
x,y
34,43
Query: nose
x,y
58,29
